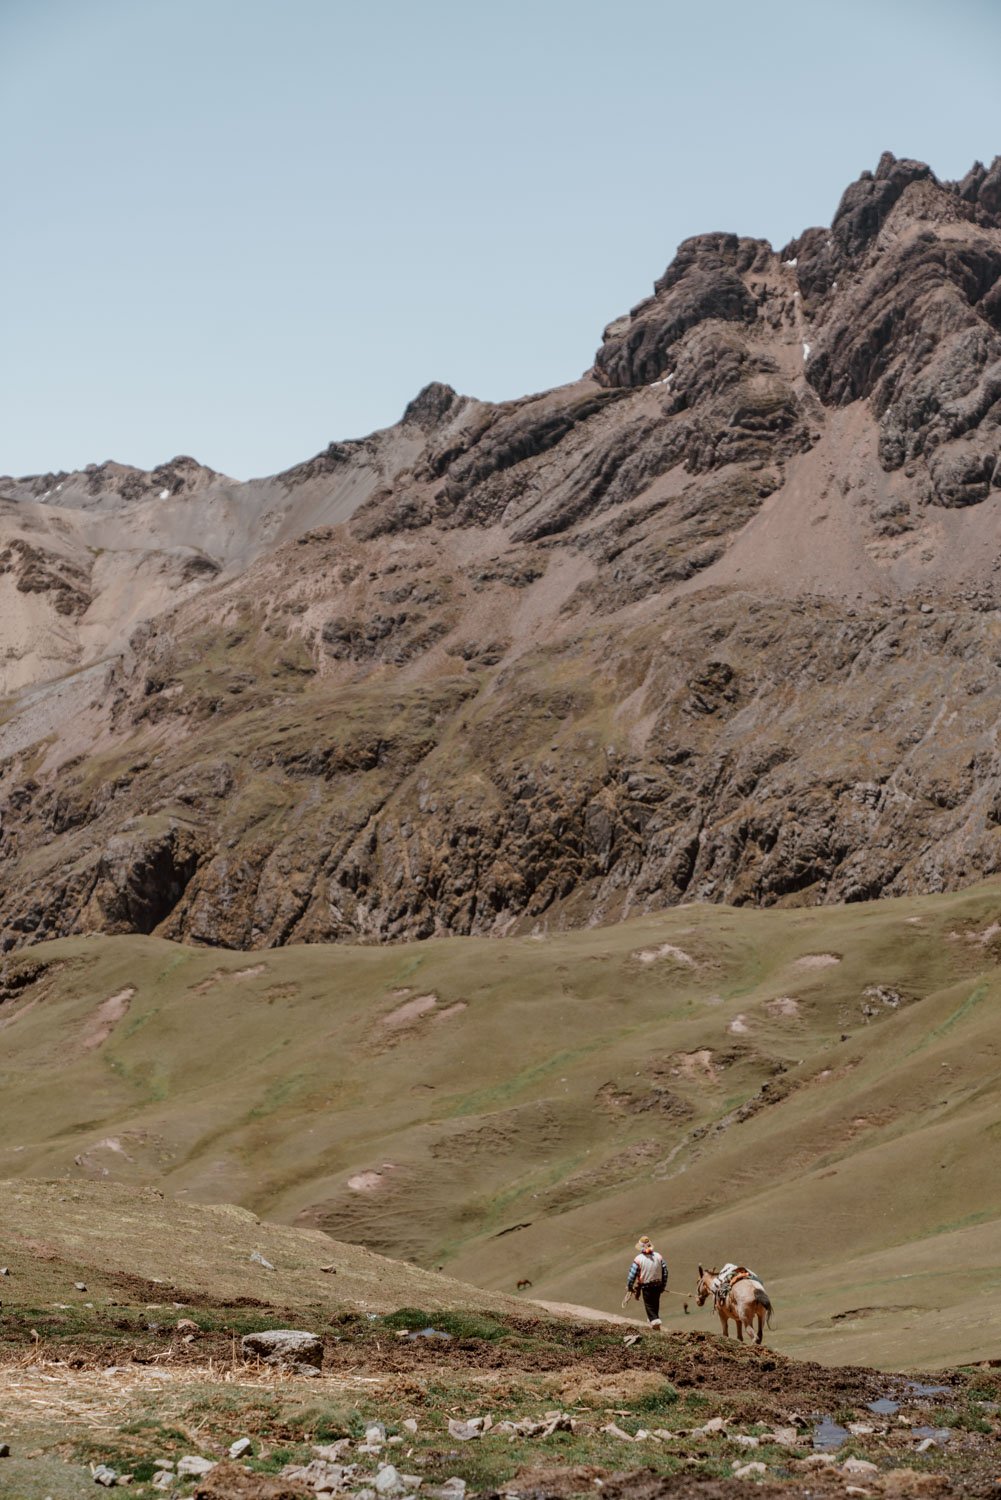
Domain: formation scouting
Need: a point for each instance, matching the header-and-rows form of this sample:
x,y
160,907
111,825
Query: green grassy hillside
x,y
812,1092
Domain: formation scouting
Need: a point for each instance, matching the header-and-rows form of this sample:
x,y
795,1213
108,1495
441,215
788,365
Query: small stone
x,y
81,1286
193,1466
164,1480
409,1424
4,1270
856,1489
387,1480
259,1260
240,1447
715,1424
330,1270
375,1432
926,609
464,1432
859,1466
924,1445
164,1463
4,1450
331,1451
617,1432
105,1475
744,1440
861,1429
319,1474
747,1471
187,1325
411,1481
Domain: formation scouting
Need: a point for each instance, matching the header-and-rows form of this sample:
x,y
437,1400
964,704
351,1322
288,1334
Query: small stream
x,y
828,1434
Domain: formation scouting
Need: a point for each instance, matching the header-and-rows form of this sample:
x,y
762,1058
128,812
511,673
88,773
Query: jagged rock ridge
x,y
716,621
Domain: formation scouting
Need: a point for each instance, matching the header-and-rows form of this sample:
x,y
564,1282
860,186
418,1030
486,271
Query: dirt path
x,y
587,1314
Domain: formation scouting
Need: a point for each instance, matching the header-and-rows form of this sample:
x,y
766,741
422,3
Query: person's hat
x,y
644,1244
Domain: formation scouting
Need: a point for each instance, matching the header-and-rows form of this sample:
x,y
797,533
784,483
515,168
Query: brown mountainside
x,y
719,621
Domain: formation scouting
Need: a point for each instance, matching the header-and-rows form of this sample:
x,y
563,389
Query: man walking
x,y
648,1278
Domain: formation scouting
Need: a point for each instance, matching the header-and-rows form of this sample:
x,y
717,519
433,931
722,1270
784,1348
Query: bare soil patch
x,y
665,950
106,1018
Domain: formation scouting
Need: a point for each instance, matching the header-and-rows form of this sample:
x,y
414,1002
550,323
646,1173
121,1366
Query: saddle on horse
x,y
728,1277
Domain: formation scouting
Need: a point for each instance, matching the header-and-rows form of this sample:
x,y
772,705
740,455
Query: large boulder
x,y
289,1347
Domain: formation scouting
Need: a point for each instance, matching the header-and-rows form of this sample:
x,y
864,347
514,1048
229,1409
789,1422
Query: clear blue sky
x,y
242,228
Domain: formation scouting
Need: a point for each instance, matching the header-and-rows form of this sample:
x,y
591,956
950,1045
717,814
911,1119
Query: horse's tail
x,y
766,1303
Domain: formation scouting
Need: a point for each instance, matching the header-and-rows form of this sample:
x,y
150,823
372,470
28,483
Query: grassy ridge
x,y
810,1091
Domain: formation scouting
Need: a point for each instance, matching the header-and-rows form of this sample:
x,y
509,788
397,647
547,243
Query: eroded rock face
x,y
717,621
38,571
703,282
906,290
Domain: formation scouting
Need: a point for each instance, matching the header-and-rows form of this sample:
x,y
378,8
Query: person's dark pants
x,y
651,1302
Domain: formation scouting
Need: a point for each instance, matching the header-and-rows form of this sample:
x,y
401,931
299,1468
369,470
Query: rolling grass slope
x,y
810,1091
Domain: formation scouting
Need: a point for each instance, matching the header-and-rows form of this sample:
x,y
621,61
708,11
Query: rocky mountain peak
x,y
108,485
715,621
430,406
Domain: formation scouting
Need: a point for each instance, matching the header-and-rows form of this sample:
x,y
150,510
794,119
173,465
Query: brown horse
x,y
740,1296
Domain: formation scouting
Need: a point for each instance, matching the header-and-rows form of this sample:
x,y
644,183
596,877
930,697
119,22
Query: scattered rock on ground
x,y
194,1467
387,1481
554,1421
319,1474
859,1466
464,1432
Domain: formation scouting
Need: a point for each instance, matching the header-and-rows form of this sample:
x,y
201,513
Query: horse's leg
x,y
725,1322
761,1327
738,1319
